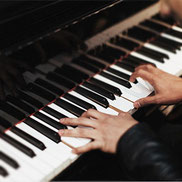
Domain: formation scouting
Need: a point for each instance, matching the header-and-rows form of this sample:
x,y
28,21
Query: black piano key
x,y
37,143
54,113
174,33
11,110
138,61
50,121
111,88
69,107
163,46
119,73
99,90
40,92
11,162
93,96
3,172
17,102
67,69
49,86
174,44
26,150
140,34
29,99
6,124
92,62
148,53
154,26
108,54
125,66
87,66
60,80
168,20
125,83
125,43
79,102
52,135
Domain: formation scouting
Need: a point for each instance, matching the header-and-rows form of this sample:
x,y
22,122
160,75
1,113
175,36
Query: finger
x,y
142,74
2,94
147,67
77,132
145,101
86,148
92,113
82,121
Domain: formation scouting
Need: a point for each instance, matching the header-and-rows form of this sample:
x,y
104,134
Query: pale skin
x,y
106,130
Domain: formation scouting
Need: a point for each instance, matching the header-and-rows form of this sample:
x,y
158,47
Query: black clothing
x,y
144,156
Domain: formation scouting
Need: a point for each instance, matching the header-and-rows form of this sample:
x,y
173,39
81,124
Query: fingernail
x,y
73,151
61,132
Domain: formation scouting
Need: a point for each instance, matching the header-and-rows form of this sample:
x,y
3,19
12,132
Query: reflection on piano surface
x,y
69,84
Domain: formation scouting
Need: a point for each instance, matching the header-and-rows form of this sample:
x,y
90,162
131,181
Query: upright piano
x,y
117,36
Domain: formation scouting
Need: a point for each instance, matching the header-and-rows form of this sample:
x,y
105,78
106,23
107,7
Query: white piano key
x,y
14,174
39,159
60,153
25,162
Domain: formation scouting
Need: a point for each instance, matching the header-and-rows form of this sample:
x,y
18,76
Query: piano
x,y
69,84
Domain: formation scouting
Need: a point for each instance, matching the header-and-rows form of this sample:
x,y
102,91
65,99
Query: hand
x,y
105,130
10,76
168,88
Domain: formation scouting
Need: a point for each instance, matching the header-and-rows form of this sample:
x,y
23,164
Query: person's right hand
x,y
168,88
10,76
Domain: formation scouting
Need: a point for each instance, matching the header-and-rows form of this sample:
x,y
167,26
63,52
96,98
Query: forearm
x,y
144,157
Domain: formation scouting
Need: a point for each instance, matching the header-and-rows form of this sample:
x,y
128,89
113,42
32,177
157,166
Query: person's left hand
x,y
105,130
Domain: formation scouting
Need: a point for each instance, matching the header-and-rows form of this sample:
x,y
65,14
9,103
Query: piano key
x,y
78,101
17,145
24,135
60,80
26,164
99,108
86,65
43,129
49,121
49,86
10,161
43,166
99,90
116,79
90,61
17,102
41,92
105,85
29,99
13,175
125,66
69,107
11,110
92,96
3,172
52,150
168,20
53,112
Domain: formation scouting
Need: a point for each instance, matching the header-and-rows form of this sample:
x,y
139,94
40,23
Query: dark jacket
x,y
144,157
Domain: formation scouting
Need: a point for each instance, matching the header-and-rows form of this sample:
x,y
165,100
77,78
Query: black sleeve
x,y
143,157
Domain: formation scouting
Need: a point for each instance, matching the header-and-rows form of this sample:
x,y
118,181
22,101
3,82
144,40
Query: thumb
x,y
145,101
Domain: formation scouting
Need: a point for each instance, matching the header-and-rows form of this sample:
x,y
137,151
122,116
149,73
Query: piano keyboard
x,y
30,148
